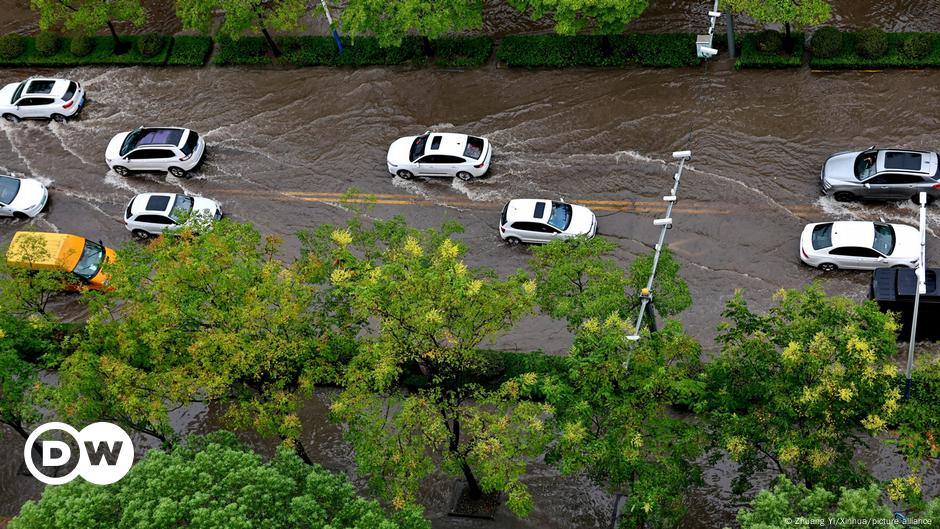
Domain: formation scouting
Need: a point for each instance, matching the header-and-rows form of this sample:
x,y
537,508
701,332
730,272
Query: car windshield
x,y
884,239
131,141
181,207
90,261
9,187
561,215
822,236
417,148
865,164
18,92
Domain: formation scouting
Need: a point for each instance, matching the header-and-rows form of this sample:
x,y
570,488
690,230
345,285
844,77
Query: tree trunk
x,y
475,491
302,452
271,44
120,48
426,44
788,39
606,47
18,428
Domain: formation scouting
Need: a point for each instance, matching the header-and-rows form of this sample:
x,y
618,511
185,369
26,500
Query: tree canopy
x,y
390,20
241,16
607,17
796,12
86,16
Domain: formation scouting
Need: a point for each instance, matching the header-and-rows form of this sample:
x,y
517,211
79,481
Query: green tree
x,y
242,16
214,483
578,280
620,426
413,388
788,12
793,388
86,16
391,20
607,17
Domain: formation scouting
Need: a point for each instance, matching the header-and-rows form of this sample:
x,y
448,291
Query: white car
x,y
22,198
154,213
41,98
442,154
859,245
172,149
542,221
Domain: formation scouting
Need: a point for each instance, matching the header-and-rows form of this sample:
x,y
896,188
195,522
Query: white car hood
x,y
30,194
907,243
399,150
6,95
582,219
205,205
113,152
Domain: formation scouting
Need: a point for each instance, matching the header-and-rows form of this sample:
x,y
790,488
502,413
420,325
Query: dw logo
x,y
105,453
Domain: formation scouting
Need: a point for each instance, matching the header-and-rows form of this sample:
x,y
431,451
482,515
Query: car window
x,y
154,219
36,101
822,236
436,142
502,216
70,91
451,159
882,179
127,213
854,251
865,164
433,158
417,148
474,148
90,262
526,226
561,215
131,140
182,207
9,187
40,86
18,92
884,238
906,179
190,144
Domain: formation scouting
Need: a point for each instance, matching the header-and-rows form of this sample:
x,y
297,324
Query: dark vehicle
x,y
894,288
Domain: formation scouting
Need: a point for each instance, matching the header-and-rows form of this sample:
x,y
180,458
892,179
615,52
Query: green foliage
x,y
797,12
903,51
752,57
12,45
462,51
670,292
769,41
47,43
87,16
786,502
918,418
871,43
241,17
214,483
82,45
826,42
190,50
94,50
917,46
362,51
150,44
246,50
607,17
796,385
430,309
617,424
660,50
390,21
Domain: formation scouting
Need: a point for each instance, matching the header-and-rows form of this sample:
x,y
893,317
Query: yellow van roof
x,y
62,251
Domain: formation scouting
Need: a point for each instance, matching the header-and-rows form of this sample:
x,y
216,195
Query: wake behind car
x,y
22,198
172,149
881,174
859,245
154,213
41,98
440,154
542,221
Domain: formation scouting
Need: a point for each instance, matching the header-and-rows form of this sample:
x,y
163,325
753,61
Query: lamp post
x,y
921,289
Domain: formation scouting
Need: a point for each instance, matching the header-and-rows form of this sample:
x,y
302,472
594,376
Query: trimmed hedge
x,y
47,43
246,50
190,50
900,53
101,52
12,45
752,57
657,50
462,52
362,51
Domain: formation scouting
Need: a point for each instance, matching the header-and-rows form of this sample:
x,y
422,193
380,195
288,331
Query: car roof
x,y
153,136
853,233
898,160
45,86
450,143
525,209
153,203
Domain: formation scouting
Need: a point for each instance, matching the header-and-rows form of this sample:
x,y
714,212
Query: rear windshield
x,y
865,164
90,262
884,238
9,187
190,144
417,148
474,148
822,236
70,91
561,215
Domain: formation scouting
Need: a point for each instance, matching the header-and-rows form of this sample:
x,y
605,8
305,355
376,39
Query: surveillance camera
x,y
663,222
705,51
714,14
681,154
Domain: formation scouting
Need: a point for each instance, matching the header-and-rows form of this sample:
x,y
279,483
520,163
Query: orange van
x,y
62,253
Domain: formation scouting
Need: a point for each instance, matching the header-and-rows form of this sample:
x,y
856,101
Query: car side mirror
x,y
867,185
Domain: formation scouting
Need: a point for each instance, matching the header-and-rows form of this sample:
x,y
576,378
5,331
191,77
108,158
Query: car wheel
x,y
465,176
58,118
916,199
513,241
19,215
121,170
11,118
177,172
844,196
828,267
405,175
140,235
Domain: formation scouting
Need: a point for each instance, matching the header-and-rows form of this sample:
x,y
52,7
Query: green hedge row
x,y
757,52
657,50
898,53
181,50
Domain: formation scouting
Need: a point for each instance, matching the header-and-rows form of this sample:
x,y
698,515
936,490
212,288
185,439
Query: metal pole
x,y
921,289
730,23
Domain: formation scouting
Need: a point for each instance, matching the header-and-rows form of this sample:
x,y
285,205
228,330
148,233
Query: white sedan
x,y
859,245
22,198
150,214
542,221
441,154
41,98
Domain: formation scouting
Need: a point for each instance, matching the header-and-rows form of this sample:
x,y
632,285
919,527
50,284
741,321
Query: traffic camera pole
x,y
921,289
665,223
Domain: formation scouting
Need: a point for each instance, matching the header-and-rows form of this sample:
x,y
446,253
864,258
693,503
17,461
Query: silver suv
x,y
881,174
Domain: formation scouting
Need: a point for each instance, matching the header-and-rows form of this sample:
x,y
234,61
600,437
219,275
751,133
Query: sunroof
x,y
158,203
539,210
436,142
161,137
908,161
40,87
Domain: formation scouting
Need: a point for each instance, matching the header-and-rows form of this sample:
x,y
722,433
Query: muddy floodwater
x,y
285,144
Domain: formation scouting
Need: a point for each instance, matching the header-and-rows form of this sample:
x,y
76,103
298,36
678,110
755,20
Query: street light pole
x,y
921,289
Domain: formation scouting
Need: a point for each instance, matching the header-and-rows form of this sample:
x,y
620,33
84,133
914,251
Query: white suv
x,y
22,198
542,221
439,154
155,213
41,98
172,149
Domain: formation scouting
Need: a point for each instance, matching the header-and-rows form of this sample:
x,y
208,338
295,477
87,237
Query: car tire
x,y
19,215
844,196
513,241
405,175
828,267
916,199
120,170
465,176
178,172
140,235
12,118
59,118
